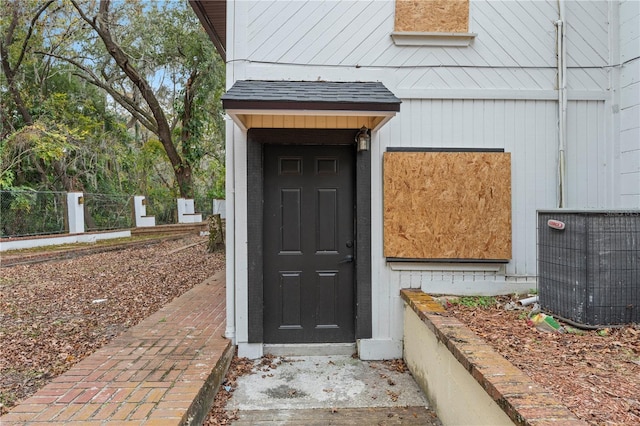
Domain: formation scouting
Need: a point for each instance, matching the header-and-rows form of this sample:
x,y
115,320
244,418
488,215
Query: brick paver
x,y
154,373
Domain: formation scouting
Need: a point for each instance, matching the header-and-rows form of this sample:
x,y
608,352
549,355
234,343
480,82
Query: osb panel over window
x,y
445,16
447,205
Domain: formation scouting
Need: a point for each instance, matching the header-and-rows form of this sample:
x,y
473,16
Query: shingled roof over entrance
x,y
310,95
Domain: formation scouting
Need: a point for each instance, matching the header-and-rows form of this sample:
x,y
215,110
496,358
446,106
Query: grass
x,y
7,399
475,301
5,281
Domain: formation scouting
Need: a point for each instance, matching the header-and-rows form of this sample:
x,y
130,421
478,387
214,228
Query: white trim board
x,y
439,266
502,94
413,38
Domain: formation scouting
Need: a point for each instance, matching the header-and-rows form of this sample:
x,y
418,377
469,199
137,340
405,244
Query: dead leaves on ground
x,y
397,365
54,314
596,375
218,415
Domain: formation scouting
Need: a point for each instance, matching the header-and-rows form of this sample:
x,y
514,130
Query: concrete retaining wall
x,y
453,393
466,381
26,243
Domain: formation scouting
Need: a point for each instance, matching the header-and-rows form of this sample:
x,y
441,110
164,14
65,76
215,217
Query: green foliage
x,y
7,175
475,301
23,202
6,178
217,192
27,212
217,181
75,136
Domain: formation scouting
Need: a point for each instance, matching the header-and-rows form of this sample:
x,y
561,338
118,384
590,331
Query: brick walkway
x,y
163,371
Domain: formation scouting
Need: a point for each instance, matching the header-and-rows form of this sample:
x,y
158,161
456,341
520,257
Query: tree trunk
x,y
100,24
10,73
181,170
185,134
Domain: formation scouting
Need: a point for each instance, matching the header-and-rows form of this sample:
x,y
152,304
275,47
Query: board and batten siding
x,y
526,129
630,103
499,92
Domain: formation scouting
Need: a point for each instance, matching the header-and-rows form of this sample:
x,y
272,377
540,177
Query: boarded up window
x,y
447,205
445,16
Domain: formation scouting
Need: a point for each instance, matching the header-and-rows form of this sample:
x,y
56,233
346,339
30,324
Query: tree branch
x,y
145,119
32,24
163,131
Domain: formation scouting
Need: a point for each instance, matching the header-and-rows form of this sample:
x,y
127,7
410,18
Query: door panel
x,y
308,243
290,205
327,293
326,226
290,293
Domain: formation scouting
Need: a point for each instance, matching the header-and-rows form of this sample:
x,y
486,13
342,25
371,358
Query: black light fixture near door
x,y
363,139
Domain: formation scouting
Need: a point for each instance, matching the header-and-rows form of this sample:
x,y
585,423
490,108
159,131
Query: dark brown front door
x,y
308,243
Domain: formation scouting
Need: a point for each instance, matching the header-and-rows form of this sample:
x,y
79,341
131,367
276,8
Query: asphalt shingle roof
x,y
321,95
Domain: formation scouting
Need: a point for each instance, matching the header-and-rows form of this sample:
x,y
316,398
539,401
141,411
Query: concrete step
x,y
342,416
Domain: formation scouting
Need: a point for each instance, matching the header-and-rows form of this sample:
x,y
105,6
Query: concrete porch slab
x,y
335,389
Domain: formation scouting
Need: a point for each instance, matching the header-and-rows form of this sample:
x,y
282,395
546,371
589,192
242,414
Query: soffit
x,y
213,17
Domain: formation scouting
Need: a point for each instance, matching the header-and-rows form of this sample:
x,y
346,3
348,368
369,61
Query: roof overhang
x,y
310,105
213,17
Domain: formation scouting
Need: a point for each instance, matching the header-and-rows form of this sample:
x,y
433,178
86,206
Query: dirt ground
x,y
54,314
595,373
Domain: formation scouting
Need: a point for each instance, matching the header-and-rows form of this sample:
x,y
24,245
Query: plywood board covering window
x,y
445,16
447,205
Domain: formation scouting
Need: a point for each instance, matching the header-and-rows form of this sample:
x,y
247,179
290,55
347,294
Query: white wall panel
x,y
526,129
630,95
630,103
629,29
589,157
447,102
630,163
511,34
341,40
629,140
587,33
587,78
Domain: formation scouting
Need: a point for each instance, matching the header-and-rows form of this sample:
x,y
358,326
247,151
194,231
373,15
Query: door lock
x,y
347,259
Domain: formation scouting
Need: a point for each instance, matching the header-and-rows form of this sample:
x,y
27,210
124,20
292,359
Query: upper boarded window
x,y
442,16
432,23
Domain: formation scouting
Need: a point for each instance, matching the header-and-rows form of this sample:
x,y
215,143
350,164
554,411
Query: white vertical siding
x,y
526,129
589,157
500,92
630,104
